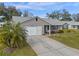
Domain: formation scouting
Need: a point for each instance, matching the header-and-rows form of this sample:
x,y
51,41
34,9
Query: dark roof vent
x,y
36,18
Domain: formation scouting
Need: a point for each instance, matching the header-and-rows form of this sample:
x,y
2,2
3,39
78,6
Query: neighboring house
x,y
39,26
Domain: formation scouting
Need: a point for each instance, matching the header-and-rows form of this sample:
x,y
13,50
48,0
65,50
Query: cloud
x,y
29,7
32,5
45,7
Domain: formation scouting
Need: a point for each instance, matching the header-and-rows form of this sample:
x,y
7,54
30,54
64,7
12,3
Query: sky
x,y
41,8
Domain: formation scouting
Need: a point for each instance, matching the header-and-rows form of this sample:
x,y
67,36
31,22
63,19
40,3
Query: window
x,y
73,26
77,27
54,27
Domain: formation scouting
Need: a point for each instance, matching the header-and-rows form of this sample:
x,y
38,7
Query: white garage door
x,y
37,30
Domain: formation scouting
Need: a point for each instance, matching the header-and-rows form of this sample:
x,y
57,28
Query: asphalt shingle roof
x,y
20,19
49,20
52,21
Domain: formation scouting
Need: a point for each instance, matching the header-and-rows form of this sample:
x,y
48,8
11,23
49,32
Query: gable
x,y
34,22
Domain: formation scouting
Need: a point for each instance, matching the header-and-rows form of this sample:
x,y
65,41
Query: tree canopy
x,y
10,11
54,15
63,15
27,13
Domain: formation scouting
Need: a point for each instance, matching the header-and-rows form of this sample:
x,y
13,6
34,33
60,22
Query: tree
x,y
7,17
2,4
13,11
13,35
66,16
63,15
75,17
2,9
19,12
27,14
54,15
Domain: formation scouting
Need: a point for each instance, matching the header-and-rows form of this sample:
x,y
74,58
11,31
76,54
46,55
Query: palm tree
x,y
13,35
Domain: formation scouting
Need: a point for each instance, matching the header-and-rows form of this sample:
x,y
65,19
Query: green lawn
x,y
26,51
69,39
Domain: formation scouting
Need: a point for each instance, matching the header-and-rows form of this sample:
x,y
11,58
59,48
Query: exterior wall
x,y
60,27
76,27
73,26
34,23
70,27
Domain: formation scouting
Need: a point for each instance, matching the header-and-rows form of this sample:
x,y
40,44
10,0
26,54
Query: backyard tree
x,y
66,16
75,17
27,13
63,15
2,8
55,14
13,11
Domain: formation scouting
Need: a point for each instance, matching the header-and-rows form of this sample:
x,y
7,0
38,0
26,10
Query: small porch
x,y
50,29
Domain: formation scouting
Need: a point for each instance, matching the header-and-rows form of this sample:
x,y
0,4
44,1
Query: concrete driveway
x,y
45,46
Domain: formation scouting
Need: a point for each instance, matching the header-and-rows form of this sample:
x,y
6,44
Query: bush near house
x,y
60,31
71,30
67,30
13,35
13,41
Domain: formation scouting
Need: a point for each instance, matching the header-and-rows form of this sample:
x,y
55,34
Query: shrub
x,y
60,31
71,30
65,30
13,36
54,31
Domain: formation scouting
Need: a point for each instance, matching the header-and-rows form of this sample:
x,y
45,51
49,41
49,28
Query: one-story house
x,y
39,26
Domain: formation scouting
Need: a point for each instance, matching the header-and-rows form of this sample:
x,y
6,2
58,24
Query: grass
x,y
70,39
26,51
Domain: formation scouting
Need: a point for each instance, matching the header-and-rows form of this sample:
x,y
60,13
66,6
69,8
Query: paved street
x,y
45,46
